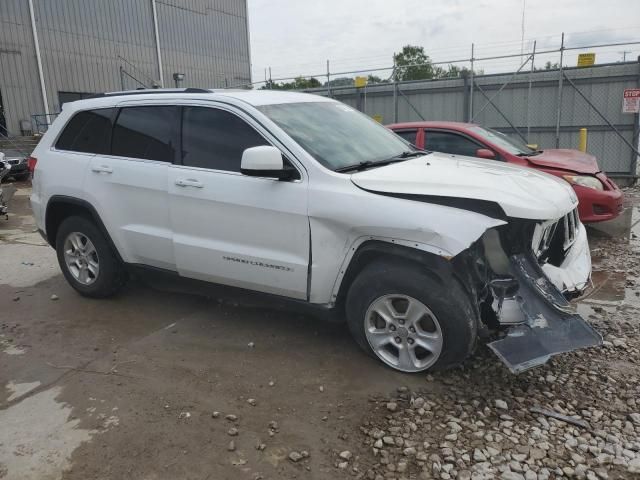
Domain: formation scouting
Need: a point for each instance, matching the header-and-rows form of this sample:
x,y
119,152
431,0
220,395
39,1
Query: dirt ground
x,y
164,384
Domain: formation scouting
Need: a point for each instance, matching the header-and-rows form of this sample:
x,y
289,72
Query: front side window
x,y
150,133
452,143
511,145
216,139
408,135
87,132
335,134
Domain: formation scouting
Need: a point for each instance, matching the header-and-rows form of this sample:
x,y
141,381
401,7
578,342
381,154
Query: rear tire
x,y
411,321
22,177
87,260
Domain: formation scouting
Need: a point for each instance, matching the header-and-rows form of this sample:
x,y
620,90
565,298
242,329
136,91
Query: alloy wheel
x,y
403,332
81,258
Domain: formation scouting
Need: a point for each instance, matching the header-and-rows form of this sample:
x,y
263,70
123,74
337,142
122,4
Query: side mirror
x,y
485,153
264,161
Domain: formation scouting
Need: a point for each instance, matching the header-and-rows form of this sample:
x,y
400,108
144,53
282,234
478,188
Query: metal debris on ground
x,y
558,416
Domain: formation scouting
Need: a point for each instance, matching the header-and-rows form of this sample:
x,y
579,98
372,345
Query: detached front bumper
x,y
540,320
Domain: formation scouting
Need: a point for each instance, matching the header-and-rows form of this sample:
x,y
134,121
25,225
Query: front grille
x,y
571,224
555,234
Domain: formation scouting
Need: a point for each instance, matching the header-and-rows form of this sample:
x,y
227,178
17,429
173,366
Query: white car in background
x,y
305,198
17,163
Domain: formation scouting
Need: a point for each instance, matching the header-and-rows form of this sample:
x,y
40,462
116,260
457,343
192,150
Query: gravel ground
x,y
486,425
165,385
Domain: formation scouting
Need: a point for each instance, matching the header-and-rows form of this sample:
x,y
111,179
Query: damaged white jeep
x,y
303,197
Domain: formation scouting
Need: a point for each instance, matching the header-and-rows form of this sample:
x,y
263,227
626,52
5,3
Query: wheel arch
x,y
368,251
60,207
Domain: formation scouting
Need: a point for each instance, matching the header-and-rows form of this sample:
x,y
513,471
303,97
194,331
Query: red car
x,y
600,198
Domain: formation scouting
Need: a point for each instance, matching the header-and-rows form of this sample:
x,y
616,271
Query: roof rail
x,y
149,91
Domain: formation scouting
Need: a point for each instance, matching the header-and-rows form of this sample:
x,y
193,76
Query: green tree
x,y
453,71
413,64
549,66
299,83
373,79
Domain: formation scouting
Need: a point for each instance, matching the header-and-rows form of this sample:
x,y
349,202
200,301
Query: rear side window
x,y
87,132
215,139
150,133
450,143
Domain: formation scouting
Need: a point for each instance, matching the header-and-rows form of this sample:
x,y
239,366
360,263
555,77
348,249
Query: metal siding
x,y
444,100
18,68
207,42
81,41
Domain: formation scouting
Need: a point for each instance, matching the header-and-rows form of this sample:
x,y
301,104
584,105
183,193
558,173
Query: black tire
x,y
22,177
111,274
449,303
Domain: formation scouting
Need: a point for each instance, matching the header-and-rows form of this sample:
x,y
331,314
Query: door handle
x,y
189,182
102,169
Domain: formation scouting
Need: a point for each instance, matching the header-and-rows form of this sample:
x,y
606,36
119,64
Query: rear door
x,y
128,185
229,228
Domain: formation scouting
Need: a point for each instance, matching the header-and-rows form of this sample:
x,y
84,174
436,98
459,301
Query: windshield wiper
x,y
380,163
531,154
412,153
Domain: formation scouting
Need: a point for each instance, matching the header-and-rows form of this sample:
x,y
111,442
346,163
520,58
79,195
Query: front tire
x,y
408,319
87,260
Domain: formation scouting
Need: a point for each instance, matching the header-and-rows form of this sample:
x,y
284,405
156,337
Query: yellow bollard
x,y
582,144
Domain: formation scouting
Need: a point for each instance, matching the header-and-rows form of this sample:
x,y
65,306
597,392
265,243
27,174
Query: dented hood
x,y
566,159
521,192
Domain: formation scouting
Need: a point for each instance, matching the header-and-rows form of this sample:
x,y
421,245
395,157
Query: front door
x,y
229,228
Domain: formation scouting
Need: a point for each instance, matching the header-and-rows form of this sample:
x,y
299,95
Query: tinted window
x,y
215,139
146,132
450,143
87,132
408,135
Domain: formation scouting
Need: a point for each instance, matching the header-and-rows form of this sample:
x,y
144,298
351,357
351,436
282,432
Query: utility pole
x,y
559,98
328,80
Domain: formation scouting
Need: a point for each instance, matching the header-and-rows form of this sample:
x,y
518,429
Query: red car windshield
x,y
511,145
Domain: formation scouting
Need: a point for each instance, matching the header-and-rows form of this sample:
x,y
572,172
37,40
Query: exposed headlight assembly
x,y
584,181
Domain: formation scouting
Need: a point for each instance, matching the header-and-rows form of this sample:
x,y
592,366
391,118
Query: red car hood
x,y
566,159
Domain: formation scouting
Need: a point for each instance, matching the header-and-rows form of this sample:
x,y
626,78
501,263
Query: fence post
x,y
328,81
359,99
559,107
395,90
582,140
533,57
635,158
471,80
270,81
465,96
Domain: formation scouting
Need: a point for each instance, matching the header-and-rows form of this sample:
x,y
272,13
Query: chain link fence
x,y
541,100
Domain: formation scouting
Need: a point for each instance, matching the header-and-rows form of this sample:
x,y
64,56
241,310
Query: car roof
x,y
252,97
433,124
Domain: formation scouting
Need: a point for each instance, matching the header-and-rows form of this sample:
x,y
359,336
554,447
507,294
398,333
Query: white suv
x,y
303,197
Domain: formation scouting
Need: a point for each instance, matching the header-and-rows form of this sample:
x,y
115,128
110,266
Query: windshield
x,y
335,134
511,145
